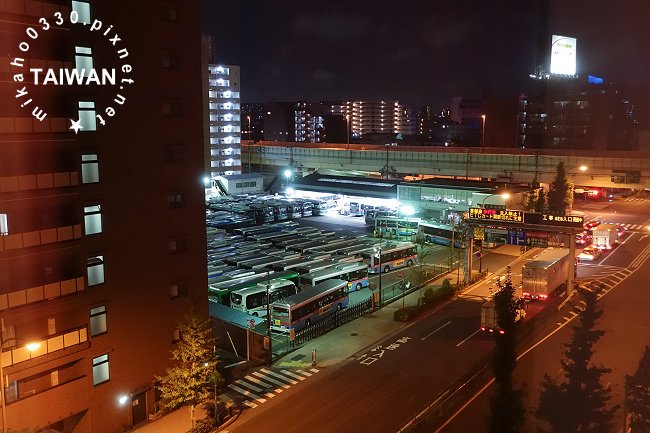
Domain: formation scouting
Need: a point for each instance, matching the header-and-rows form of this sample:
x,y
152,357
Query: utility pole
x,y
268,316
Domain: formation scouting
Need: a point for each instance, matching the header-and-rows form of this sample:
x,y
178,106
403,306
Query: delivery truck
x,y
489,316
604,236
545,274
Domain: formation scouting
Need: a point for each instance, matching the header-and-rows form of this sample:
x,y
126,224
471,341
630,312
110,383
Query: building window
x,y
98,321
93,219
95,270
174,154
83,59
4,224
101,372
87,116
170,61
175,200
178,289
83,11
89,168
177,246
172,109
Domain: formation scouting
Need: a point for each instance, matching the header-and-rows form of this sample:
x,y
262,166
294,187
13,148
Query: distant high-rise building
x,y
576,113
252,121
103,243
224,120
383,117
303,122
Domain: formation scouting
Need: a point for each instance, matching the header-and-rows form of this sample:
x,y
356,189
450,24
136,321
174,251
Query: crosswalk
x,y
637,199
261,385
629,227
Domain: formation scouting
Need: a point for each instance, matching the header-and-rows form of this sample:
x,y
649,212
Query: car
x,y
583,238
589,254
620,231
591,224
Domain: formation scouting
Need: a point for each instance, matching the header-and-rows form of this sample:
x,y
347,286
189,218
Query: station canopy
x,y
348,185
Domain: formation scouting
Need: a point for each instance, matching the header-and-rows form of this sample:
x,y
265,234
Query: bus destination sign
x,y
513,216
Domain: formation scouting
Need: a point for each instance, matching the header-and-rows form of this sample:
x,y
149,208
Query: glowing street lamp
x,y
503,195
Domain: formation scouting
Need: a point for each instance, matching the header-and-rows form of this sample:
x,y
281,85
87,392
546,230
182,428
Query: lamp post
x,y
504,195
378,250
31,347
483,131
268,316
347,129
249,143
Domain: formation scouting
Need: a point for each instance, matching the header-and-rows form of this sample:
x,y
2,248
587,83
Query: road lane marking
x,y
622,243
246,393
236,363
431,333
314,370
264,384
250,404
273,373
304,373
268,379
296,376
475,332
249,386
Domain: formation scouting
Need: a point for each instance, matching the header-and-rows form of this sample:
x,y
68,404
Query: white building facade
x,y
379,117
225,120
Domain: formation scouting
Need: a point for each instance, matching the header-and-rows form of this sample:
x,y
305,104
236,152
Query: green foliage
x,y
193,377
406,313
580,402
204,426
638,395
446,284
506,407
560,193
540,202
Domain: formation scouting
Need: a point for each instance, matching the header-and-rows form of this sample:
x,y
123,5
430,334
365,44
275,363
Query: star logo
x,y
76,125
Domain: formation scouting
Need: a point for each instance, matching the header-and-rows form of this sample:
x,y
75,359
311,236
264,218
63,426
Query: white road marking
x,y
246,393
294,375
273,373
249,386
276,382
304,373
314,370
430,334
478,330
250,404
264,384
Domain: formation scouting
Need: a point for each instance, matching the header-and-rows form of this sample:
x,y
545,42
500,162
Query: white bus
x,y
393,256
252,300
356,274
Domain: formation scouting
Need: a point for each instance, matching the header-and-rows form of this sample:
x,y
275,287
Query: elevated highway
x,y
623,169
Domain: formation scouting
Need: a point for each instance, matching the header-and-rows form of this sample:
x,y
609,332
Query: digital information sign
x,y
513,216
576,221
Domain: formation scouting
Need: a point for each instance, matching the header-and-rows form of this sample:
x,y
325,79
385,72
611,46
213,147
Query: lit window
x,y
83,11
4,224
101,372
95,270
89,169
83,60
87,116
93,219
98,321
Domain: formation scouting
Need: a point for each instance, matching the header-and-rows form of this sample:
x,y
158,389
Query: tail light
x,y
543,297
501,331
483,328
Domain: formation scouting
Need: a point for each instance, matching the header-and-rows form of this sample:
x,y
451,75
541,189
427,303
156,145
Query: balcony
x,y
41,293
39,181
52,343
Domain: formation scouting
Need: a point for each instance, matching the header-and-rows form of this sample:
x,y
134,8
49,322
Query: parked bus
x,y
393,256
301,261
221,291
252,300
393,227
309,306
356,274
351,208
441,234
266,262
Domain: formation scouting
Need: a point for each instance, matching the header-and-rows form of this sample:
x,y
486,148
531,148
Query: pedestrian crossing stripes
x,y
644,200
631,227
264,384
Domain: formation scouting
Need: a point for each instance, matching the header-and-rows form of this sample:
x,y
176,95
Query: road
x,y
625,321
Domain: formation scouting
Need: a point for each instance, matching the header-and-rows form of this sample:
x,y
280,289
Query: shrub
x,y
407,313
204,426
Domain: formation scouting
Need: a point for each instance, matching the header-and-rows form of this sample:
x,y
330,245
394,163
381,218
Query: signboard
x,y
545,239
576,221
498,236
479,233
563,55
516,237
514,216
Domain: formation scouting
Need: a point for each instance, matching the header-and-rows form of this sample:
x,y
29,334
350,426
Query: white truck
x,y
604,236
489,316
545,274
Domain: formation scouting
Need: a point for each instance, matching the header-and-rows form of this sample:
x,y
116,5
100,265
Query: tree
x,y
580,402
193,379
531,196
637,401
560,193
506,407
540,203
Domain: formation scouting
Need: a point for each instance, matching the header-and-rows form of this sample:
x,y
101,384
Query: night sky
x,y
419,52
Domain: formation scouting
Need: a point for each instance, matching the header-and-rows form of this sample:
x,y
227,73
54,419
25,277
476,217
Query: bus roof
x,y
335,269
274,284
307,294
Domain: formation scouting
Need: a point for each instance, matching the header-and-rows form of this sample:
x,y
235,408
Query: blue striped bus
x,y
393,256
309,306
356,274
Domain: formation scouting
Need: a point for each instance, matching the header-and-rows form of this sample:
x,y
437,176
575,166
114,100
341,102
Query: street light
x,y
504,195
249,143
378,250
31,347
268,316
347,129
483,131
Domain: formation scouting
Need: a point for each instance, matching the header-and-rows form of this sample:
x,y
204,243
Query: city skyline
x,y
421,55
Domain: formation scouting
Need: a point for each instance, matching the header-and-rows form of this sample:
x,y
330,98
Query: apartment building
x,y
102,242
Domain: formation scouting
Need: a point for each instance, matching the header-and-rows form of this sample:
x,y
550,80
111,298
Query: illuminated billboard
x,y
563,55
